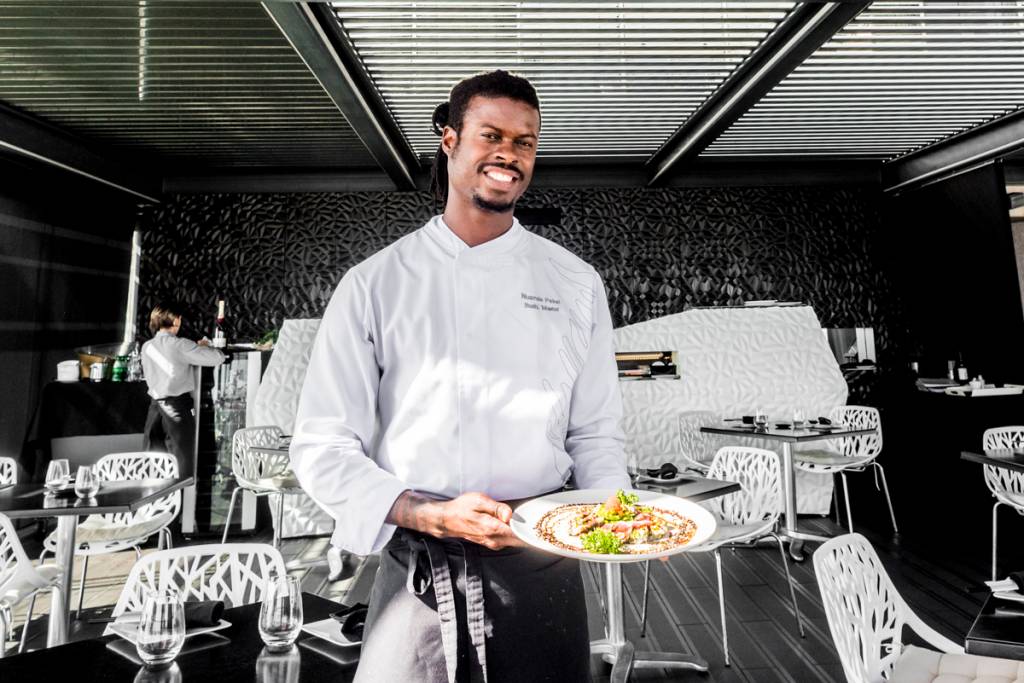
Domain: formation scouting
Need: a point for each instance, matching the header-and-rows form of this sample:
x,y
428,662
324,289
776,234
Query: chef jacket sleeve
x,y
194,354
594,438
335,425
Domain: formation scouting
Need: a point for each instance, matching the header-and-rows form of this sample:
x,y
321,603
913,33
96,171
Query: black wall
x,y
65,254
950,249
660,251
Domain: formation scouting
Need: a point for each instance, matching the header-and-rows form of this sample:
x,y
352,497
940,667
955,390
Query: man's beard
x,y
492,207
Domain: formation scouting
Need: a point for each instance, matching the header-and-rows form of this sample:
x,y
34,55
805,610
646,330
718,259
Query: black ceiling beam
x,y
27,136
953,155
796,38
315,35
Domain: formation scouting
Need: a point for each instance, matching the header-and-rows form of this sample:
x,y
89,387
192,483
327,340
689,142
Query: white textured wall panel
x,y
732,361
277,402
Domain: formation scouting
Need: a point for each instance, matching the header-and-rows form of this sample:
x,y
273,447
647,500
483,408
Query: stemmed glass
x,y
281,613
86,482
161,630
57,474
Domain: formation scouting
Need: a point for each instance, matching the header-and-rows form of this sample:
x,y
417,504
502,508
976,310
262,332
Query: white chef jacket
x,y
167,361
445,369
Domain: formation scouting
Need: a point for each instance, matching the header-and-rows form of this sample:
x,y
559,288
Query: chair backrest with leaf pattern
x,y
137,466
250,466
999,479
236,573
758,473
8,471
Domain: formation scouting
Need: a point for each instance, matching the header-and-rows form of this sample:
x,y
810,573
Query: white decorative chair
x,y
236,573
112,533
696,448
850,454
19,580
8,471
261,473
1006,485
866,616
746,516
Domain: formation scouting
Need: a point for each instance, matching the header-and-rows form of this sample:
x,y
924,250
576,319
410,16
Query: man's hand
x,y
203,342
474,517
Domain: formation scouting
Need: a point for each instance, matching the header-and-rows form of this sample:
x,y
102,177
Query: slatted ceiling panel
x,y
200,83
614,78
898,77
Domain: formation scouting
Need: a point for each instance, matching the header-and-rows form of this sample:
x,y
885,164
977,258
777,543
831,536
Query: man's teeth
x,y
500,177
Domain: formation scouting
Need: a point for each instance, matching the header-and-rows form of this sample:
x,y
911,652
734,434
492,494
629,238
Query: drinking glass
x,y
278,667
86,482
57,474
760,419
161,628
281,613
798,419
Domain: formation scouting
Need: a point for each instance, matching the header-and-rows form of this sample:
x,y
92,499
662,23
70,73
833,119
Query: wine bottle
x,y
219,338
962,375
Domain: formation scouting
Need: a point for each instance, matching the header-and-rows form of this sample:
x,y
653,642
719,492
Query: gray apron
x,y
451,611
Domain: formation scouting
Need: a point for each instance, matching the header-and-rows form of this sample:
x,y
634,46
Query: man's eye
x,y
526,144
491,136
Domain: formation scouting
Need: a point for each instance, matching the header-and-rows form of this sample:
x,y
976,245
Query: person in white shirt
x,y
462,369
167,361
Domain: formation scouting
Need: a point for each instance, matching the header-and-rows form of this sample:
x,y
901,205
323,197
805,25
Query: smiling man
x,y
461,370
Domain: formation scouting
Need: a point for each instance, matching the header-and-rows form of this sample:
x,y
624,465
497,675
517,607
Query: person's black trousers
x,y
171,428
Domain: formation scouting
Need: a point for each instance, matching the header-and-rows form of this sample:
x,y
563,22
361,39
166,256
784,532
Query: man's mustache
x,y
505,167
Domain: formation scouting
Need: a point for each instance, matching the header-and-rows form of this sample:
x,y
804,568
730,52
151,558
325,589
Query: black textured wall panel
x,y
660,251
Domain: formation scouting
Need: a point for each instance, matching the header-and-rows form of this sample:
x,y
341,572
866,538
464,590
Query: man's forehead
x,y
503,113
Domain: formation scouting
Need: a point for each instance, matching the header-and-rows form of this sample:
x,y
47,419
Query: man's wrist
x,y
415,511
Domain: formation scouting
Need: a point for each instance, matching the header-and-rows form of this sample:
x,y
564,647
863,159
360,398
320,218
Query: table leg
x,y
790,530
60,603
621,653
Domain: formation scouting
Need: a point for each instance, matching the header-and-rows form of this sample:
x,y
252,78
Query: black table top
x,y
694,488
1006,458
998,634
30,500
229,656
789,435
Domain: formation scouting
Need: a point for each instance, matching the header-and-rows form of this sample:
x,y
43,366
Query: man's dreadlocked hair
x,y
494,84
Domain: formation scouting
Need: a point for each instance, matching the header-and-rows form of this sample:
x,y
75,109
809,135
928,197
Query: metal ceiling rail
x,y
325,52
36,140
604,71
897,59
802,32
970,149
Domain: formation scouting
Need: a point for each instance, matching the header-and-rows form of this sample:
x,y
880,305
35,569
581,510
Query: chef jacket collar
x,y
454,245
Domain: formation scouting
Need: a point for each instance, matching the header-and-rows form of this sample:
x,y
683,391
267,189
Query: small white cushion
x,y
97,530
827,459
919,665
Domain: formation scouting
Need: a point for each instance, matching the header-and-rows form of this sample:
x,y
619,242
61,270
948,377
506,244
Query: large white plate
x,y
526,516
329,630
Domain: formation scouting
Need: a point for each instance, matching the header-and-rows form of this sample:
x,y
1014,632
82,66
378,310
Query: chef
x,y
460,370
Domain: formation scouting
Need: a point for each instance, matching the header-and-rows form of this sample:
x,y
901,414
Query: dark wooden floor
x,y
683,611
764,643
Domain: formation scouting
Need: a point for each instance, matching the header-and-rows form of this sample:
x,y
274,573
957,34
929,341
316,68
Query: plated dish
x,y
604,525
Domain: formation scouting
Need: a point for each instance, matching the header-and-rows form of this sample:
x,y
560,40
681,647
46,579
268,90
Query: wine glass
x,y
57,474
86,482
281,613
161,628
760,419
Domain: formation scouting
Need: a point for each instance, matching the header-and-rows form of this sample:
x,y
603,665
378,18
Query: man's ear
x,y
449,139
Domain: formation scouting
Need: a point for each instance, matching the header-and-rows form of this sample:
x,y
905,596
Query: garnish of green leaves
x,y
601,542
627,499
625,514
